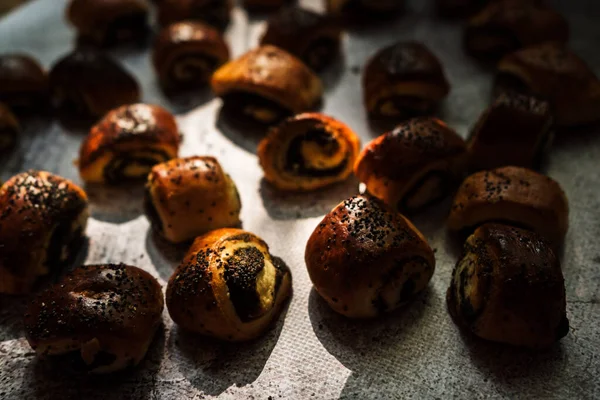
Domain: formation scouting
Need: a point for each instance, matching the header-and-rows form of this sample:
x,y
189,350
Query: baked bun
x,y
365,259
512,195
127,143
515,130
404,80
9,129
109,22
508,287
553,72
187,53
308,152
188,197
23,82
267,84
312,37
228,286
360,8
418,163
212,12
505,26
459,8
42,224
87,84
263,5
106,315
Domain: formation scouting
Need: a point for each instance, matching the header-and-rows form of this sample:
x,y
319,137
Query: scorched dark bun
x,y
365,259
106,313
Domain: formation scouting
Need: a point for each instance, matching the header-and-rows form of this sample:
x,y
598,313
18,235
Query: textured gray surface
x,y
414,353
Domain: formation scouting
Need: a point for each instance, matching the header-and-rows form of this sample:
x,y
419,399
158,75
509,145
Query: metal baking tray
x,y
312,353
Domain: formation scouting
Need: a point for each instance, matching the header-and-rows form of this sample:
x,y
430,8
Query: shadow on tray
x,y
56,378
165,256
116,204
241,130
289,205
213,366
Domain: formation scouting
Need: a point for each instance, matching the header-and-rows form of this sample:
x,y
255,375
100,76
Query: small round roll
x,y
312,37
23,82
404,80
42,225
228,286
308,152
508,287
109,22
361,8
513,195
553,72
267,84
9,129
215,13
515,130
87,84
187,53
365,259
505,26
104,315
415,165
188,197
127,143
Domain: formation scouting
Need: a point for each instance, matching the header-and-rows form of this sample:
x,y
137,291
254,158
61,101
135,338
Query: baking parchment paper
x,y
312,353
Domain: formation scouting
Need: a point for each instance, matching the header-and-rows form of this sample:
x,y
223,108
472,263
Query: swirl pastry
x,y
308,152
109,22
267,84
553,72
403,81
513,195
418,163
87,84
505,26
228,286
508,287
104,315
365,259
127,143
362,7
515,130
212,12
312,37
187,53
42,224
188,197
23,82
9,129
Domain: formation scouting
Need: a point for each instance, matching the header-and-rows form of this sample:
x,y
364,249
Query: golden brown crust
x,y
188,197
404,80
508,287
515,130
148,129
228,286
9,129
99,21
271,73
512,195
108,313
308,152
90,83
212,12
365,259
555,73
505,26
414,165
23,81
181,46
41,225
